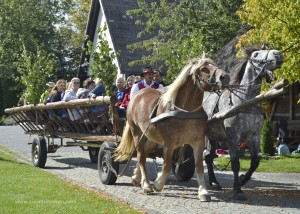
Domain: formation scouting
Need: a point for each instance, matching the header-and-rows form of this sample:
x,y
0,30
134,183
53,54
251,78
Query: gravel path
x,y
267,192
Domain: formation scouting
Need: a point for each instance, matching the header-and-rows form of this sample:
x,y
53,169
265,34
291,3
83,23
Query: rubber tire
x,y
184,171
93,152
105,154
39,152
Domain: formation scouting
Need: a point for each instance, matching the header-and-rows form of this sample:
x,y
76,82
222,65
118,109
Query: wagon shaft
x,y
276,91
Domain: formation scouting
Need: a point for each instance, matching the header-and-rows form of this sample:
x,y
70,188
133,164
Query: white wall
x,y
100,23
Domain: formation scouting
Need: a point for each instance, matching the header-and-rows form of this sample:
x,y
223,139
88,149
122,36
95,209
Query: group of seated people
x,y
123,89
150,79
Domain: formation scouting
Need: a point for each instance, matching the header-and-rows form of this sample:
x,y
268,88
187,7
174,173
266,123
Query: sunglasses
x,y
75,82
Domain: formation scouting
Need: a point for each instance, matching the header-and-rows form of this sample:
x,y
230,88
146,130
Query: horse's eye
x,y
256,54
204,69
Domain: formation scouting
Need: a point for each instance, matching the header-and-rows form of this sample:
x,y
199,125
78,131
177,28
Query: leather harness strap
x,y
179,115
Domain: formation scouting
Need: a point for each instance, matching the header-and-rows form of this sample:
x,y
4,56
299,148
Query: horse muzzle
x,y
223,80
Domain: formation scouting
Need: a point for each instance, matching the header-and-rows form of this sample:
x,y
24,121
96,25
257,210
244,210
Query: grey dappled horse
x,y
244,127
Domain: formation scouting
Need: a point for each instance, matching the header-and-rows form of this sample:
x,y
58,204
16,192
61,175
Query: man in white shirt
x,y
147,82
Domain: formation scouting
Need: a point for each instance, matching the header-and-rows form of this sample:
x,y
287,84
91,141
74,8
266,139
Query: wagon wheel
x,y
93,152
107,167
39,152
183,165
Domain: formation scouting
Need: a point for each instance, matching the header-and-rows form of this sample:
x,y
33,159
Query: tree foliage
x,y
102,61
179,30
34,74
78,20
275,22
267,145
34,45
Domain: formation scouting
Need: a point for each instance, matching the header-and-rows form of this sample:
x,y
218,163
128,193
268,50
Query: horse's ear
x,y
264,46
203,55
243,49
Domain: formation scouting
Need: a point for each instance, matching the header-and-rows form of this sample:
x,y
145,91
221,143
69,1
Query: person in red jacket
x,y
126,98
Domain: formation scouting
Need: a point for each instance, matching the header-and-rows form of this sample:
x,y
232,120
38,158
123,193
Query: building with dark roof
x,y
121,32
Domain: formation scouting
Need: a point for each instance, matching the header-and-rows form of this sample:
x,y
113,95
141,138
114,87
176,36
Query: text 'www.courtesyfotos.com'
x,y
45,202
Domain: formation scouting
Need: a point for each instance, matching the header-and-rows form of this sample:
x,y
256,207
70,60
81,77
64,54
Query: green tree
x,y
31,36
275,22
102,61
78,20
34,74
179,30
267,145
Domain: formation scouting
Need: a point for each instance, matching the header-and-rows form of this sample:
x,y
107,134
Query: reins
x,y
199,81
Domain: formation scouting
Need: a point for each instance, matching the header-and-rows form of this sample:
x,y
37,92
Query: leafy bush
x,y
102,64
266,142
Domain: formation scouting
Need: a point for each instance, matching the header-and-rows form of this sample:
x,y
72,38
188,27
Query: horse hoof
x,y
148,190
156,189
136,183
205,198
240,196
216,186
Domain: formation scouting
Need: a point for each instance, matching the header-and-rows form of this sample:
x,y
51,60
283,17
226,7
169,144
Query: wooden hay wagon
x,y
94,125
91,124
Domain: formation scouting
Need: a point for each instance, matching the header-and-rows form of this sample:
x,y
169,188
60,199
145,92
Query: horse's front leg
x,y
210,169
162,176
235,165
136,177
198,154
145,184
254,150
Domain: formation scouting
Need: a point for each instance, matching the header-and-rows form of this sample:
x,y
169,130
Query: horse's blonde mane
x,y
189,69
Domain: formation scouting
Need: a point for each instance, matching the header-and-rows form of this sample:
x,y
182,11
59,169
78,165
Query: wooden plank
x,y
100,100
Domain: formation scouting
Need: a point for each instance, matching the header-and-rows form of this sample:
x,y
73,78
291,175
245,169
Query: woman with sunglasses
x,y
71,93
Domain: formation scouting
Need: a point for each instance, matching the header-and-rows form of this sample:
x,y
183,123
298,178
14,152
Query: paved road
x,y
267,192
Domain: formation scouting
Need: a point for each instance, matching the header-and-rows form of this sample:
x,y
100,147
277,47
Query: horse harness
x,y
258,71
172,113
181,113
199,80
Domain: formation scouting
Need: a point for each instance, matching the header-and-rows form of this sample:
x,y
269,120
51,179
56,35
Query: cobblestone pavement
x,y
267,192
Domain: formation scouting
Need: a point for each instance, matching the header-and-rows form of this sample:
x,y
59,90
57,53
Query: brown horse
x,y
183,98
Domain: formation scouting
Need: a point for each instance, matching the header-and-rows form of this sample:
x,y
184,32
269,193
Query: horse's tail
x,y
126,146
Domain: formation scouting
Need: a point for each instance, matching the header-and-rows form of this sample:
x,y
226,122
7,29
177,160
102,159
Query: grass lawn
x,y
27,189
267,164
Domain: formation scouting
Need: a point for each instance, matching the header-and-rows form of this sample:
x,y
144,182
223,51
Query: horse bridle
x,y
258,70
199,80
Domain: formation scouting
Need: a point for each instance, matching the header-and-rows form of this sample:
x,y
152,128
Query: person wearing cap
x,y
157,77
147,82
